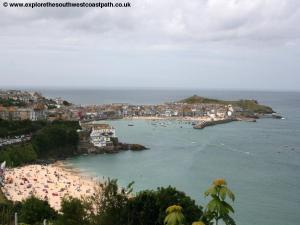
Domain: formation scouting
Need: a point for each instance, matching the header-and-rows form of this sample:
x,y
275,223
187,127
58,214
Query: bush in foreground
x,y
73,212
113,205
34,211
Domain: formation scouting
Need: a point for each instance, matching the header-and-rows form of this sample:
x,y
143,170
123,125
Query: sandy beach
x,y
51,182
186,118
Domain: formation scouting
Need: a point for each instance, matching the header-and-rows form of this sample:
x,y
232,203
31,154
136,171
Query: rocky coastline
x,y
205,123
86,147
116,149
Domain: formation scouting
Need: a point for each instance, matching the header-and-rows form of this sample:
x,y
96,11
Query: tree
x,y
66,103
60,139
218,209
143,209
16,155
171,196
7,210
34,211
174,215
73,212
110,203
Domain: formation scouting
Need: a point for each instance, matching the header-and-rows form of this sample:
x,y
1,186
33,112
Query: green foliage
x,y
7,211
217,208
198,223
69,124
3,199
11,102
59,139
170,196
113,205
174,215
66,103
51,106
111,202
16,128
50,140
34,211
195,99
148,207
253,106
143,209
16,155
249,106
74,212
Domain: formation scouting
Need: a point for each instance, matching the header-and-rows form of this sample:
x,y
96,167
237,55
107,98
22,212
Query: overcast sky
x,y
228,44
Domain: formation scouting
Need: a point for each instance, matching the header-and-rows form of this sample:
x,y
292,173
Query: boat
x,y
130,125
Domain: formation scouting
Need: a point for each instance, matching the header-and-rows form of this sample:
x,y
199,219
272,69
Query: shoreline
x,y
190,119
67,167
49,182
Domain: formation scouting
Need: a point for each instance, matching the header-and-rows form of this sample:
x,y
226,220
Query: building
x,y
4,113
9,113
16,113
102,135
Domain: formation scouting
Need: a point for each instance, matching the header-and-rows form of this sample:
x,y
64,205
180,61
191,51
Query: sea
x,y
260,161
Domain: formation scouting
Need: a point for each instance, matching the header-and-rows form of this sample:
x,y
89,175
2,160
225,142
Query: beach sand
x,y
178,118
51,182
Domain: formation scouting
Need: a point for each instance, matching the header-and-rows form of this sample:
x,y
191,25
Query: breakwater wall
x,y
204,124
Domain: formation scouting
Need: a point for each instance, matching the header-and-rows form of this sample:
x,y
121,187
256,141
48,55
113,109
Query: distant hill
x,y
247,105
195,99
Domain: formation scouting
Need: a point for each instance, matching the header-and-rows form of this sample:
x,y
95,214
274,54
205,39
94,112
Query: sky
x,y
209,44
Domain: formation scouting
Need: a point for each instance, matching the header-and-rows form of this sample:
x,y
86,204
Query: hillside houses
x,y
116,111
33,106
16,113
102,135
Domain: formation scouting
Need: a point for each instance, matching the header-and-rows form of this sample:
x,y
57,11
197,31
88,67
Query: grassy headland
x,y
250,106
49,140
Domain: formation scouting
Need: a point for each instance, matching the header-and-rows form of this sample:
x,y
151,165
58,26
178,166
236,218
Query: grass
x,y
2,197
251,106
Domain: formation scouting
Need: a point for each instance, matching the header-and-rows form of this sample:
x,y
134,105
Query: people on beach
x,y
50,183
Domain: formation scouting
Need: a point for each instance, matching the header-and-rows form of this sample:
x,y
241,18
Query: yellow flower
x,y
219,182
198,223
174,208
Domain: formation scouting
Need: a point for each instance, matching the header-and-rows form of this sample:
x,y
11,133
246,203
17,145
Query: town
x,y
16,105
24,105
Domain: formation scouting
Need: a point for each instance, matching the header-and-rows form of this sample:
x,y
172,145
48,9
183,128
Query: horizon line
x,y
6,87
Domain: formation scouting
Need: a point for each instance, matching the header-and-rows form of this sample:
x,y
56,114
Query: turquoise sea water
x,y
260,161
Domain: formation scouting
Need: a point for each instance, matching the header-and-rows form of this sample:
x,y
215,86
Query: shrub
x,y
17,155
170,196
34,210
111,203
73,212
149,207
143,209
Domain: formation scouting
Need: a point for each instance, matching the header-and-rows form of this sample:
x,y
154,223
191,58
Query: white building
x,y
230,110
102,134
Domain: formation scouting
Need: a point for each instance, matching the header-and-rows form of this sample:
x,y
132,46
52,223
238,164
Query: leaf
x,y
223,209
230,194
227,206
214,205
174,218
211,191
228,220
223,192
198,223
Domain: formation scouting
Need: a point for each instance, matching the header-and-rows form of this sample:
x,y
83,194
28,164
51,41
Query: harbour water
x,y
260,161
